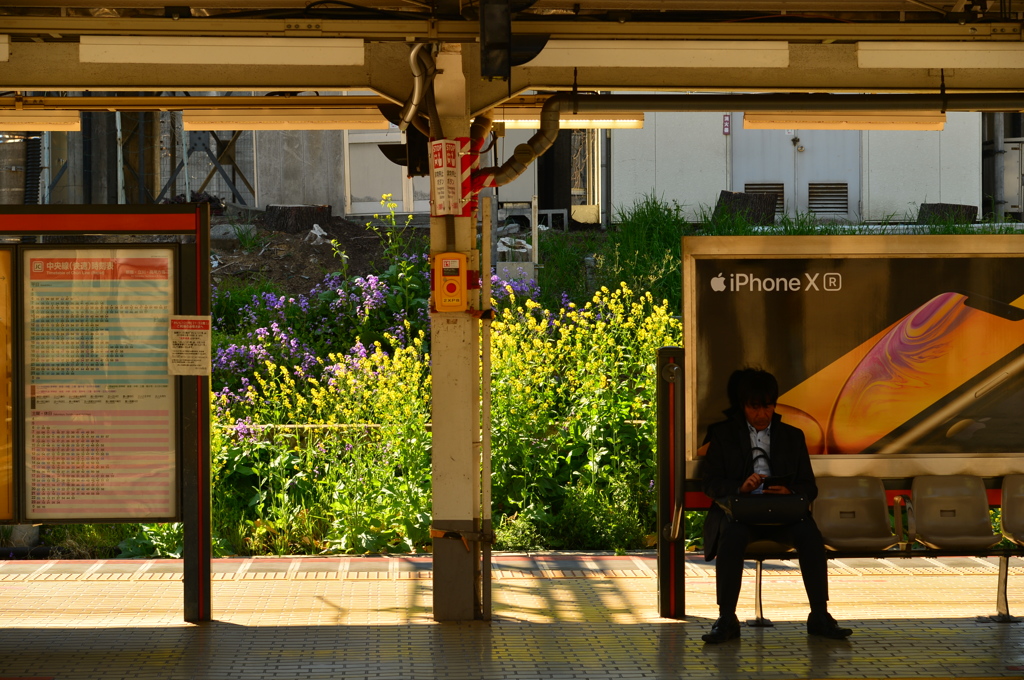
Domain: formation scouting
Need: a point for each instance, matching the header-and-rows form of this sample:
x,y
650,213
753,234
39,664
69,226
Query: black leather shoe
x,y
823,625
725,628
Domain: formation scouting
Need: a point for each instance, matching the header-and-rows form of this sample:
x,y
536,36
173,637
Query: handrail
x,y
674,374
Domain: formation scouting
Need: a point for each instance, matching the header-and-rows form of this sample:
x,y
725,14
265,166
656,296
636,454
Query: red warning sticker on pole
x,y
445,177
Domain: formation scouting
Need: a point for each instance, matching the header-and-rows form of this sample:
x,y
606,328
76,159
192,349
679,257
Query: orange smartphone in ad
x,y
955,353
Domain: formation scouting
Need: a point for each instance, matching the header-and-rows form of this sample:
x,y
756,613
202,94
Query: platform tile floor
x,y
556,616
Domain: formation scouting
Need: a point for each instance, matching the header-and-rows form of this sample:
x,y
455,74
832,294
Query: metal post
x,y
256,169
534,233
1002,603
671,477
606,180
120,159
195,413
999,166
45,167
486,219
179,130
347,169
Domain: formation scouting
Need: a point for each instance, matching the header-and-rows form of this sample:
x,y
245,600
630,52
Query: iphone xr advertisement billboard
x,y
884,348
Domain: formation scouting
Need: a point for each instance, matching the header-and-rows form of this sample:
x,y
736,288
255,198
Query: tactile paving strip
x,y
418,569
371,618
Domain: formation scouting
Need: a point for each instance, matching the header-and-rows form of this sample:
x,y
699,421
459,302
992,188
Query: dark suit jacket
x,y
729,461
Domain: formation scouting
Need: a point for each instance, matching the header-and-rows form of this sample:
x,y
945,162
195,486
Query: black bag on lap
x,y
765,509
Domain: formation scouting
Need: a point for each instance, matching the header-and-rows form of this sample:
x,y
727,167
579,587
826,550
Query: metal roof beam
x,y
467,31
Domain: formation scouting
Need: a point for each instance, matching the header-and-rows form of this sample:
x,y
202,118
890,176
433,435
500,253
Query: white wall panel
x,y
301,167
676,156
960,159
903,169
523,187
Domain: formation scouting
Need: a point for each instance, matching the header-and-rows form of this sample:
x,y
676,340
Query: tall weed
x,y
644,250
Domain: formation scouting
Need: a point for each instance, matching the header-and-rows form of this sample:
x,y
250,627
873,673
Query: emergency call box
x,y
450,293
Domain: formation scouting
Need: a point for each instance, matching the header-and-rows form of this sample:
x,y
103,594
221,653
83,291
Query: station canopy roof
x,y
621,12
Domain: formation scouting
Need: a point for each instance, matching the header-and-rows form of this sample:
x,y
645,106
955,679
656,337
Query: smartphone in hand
x,y
779,480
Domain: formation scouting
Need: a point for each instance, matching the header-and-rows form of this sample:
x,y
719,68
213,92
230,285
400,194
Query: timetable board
x,y
99,402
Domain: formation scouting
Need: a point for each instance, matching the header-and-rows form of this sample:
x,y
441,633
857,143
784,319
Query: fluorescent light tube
x,y
528,118
940,55
843,120
117,49
285,119
39,119
664,53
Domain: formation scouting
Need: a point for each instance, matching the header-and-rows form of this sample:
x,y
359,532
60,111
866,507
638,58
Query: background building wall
x,y
302,167
904,169
680,157
684,157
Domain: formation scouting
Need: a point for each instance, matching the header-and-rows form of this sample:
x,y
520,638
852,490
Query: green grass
x,y
250,239
86,541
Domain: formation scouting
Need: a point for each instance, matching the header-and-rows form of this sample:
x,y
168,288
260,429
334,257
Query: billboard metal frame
x,y
190,224
896,246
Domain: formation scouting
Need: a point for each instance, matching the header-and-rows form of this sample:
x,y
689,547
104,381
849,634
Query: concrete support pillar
x,y
455,376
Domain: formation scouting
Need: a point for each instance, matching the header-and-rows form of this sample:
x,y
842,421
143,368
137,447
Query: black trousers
x,y
732,545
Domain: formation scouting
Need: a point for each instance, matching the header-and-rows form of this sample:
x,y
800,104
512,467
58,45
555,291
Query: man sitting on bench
x,y
743,451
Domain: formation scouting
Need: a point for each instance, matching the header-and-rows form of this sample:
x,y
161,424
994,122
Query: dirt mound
x,y
243,253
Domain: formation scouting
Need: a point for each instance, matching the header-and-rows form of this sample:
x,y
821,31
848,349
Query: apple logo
x,y
718,283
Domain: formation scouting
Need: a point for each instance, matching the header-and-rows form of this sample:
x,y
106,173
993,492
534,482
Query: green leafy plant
x,y
155,540
250,239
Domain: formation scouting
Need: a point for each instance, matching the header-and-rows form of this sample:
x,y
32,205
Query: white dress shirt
x,y
761,445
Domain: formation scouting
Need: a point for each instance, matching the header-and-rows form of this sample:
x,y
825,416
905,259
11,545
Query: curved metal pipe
x,y
526,153
421,63
481,126
412,105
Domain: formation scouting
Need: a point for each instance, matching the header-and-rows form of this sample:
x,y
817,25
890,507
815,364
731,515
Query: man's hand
x,y
777,489
751,483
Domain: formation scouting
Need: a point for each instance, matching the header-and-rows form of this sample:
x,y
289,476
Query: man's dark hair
x,y
751,387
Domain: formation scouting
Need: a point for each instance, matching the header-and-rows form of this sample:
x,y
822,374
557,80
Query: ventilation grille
x,y
828,197
33,163
778,189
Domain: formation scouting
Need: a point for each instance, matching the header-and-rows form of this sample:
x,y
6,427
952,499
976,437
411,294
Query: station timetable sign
x,y
100,404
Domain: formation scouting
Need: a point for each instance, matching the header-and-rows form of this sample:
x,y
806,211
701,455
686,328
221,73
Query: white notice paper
x,y
189,345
